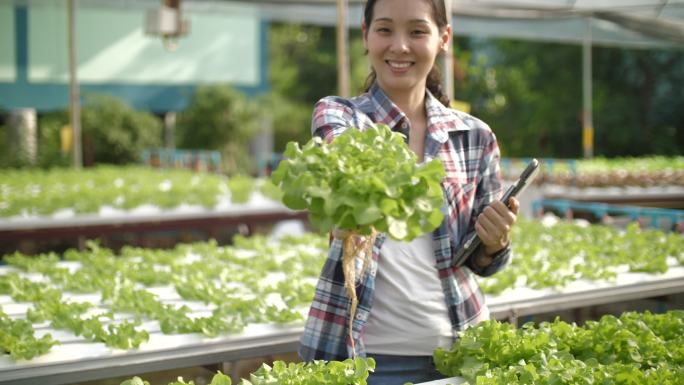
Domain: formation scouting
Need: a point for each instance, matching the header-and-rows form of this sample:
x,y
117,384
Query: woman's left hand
x,y
494,224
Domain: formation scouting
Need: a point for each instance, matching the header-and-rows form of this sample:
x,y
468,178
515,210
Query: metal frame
x,y
286,339
663,199
446,381
225,349
94,225
511,310
179,351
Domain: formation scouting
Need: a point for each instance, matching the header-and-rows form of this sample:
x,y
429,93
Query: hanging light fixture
x,y
168,23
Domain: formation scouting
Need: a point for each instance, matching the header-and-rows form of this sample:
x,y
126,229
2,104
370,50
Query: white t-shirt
x,y
409,314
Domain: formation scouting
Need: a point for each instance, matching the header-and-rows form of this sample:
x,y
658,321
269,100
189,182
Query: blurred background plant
x,y
531,96
528,92
113,133
219,117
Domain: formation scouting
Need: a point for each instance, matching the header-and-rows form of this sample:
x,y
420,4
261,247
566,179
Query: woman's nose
x,y
399,44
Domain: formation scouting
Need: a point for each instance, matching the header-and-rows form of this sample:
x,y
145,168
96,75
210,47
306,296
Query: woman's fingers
x,y
514,205
494,224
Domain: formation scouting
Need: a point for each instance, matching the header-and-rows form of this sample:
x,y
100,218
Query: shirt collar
x,y
382,108
440,118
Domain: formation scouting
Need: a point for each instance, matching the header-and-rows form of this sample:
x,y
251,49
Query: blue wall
x,y
48,96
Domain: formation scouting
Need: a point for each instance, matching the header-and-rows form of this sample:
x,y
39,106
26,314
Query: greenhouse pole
x,y
342,54
448,62
74,98
587,117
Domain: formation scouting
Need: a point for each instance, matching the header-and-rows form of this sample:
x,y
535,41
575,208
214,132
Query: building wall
x,y
116,57
7,54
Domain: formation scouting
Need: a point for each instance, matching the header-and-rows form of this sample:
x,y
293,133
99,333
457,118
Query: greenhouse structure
x,y
164,265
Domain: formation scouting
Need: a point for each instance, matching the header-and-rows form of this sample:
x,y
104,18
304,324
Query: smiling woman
x,y
414,297
403,39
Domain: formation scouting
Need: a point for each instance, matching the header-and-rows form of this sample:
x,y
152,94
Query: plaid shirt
x,y
470,155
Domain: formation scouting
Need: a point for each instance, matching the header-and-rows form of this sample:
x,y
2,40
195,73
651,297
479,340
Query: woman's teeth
x,y
399,64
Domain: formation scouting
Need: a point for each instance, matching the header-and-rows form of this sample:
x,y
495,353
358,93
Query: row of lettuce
x,y
43,192
348,372
604,172
261,280
549,253
633,349
256,281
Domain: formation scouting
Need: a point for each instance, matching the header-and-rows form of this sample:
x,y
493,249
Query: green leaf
x,y
135,381
295,201
368,214
389,207
435,219
398,229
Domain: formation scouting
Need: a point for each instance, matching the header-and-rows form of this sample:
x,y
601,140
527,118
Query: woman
x,y
414,296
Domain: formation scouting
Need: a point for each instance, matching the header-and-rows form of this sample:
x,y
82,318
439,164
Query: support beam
x,y
448,60
170,118
23,136
74,95
587,116
342,51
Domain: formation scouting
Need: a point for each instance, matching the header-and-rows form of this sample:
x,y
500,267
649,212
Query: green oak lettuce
x,y
363,180
635,348
347,372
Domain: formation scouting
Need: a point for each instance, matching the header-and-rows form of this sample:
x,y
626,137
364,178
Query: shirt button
x,y
404,125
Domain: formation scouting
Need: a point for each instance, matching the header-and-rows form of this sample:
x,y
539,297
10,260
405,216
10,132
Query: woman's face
x,y
403,40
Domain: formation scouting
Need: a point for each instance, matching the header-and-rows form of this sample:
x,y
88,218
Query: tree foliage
x,y
49,140
115,133
303,62
637,101
531,95
532,100
219,117
303,69
112,132
216,114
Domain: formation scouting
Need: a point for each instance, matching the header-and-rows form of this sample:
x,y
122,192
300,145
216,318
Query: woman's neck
x,y
412,104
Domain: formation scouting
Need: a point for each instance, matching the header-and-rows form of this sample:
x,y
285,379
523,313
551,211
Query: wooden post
x,y
342,54
448,61
74,97
587,116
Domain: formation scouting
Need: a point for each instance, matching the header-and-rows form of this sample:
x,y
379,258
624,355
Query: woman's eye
x,y
383,29
419,32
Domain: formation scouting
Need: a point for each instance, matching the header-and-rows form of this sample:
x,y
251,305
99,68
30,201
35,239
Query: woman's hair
x,y
434,78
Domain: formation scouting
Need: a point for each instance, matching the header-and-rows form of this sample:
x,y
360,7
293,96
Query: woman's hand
x,y
494,224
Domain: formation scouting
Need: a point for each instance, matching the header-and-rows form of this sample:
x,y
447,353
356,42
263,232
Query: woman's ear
x,y
364,32
445,39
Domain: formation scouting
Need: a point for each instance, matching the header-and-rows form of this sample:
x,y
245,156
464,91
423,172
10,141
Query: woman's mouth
x,y
399,66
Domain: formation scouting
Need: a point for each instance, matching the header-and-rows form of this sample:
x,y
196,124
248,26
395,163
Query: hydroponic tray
x,y
145,218
581,293
78,360
659,196
446,381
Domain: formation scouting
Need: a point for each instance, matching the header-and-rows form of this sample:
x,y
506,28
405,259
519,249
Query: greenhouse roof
x,y
635,23
630,23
